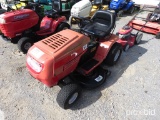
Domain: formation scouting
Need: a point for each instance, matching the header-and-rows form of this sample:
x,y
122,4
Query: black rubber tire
x,y
112,53
80,25
126,47
148,16
131,10
158,35
139,36
117,33
22,42
66,93
120,13
63,26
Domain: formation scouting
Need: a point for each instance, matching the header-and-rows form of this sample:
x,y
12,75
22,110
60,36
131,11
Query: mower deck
x,y
93,80
149,27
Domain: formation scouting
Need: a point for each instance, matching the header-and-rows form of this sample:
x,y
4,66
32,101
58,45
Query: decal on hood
x,y
18,17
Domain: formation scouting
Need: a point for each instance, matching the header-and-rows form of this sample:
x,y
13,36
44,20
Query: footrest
x,y
95,79
89,64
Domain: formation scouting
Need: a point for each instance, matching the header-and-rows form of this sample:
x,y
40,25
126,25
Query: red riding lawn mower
x,y
150,23
26,26
72,59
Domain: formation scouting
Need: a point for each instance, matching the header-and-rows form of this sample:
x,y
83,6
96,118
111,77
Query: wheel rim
x,y
127,47
116,56
73,98
27,46
139,37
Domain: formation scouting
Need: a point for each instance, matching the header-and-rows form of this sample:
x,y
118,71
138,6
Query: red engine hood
x,y
17,15
61,43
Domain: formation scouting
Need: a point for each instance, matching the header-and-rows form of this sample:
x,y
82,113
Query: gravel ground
x,y
130,93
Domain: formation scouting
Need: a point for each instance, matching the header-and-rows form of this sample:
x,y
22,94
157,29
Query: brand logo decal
x,y
21,16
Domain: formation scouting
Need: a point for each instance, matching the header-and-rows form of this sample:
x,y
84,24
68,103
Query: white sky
x,y
148,2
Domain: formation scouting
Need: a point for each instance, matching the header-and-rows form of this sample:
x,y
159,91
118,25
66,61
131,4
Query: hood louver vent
x,y
55,41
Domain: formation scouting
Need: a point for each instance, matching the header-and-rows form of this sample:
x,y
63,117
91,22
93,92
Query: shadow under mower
x,y
72,59
26,26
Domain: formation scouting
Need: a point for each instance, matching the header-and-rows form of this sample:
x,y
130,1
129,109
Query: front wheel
x,y
114,54
158,35
24,44
68,95
63,26
131,10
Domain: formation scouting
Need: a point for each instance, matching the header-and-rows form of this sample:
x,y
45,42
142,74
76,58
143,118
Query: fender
x,y
49,25
117,5
104,47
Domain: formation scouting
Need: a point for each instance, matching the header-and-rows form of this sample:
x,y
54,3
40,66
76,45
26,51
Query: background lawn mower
x,y
26,26
121,6
72,59
86,9
7,5
64,5
127,38
150,23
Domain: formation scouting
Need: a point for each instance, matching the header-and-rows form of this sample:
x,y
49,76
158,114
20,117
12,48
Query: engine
x,y
125,32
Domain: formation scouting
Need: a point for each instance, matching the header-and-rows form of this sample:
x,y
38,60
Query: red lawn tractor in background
x,y
72,59
26,26
150,23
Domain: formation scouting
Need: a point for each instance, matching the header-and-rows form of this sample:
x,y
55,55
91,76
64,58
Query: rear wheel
x,y
126,47
131,10
24,44
68,95
114,54
138,38
63,26
158,35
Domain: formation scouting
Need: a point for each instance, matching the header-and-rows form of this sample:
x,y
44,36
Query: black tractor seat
x,y
31,5
57,8
97,2
102,23
51,13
